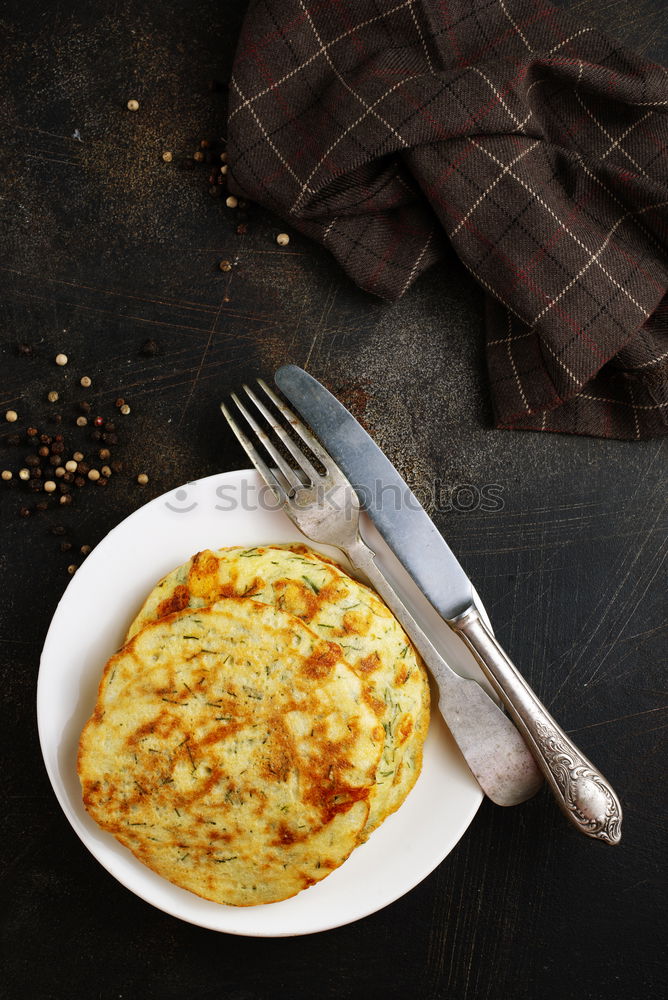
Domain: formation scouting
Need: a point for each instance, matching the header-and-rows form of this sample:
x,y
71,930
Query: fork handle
x,y
581,791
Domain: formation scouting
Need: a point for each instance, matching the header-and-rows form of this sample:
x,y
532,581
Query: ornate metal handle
x,y
583,794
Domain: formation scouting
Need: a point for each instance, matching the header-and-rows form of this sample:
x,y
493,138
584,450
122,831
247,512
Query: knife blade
x,y
582,793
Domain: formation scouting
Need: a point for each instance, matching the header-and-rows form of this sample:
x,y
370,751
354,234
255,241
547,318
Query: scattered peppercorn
x,y
133,105
61,359
43,451
125,409
57,418
119,402
223,157
32,432
225,265
24,512
65,546
96,435
149,348
68,477
79,481
49,486
84,468
93,475
242,229
57,529
71,466
85,382
117,467
78,456
32,460
231,201
25,350
81,421
6,475
55,461
282,239
24,474
104,454
198,157
85,549
59,471
45,439
11,416
53,397
66,498
142,479
84,406
223,169
167,156
73,567
106,471
98,421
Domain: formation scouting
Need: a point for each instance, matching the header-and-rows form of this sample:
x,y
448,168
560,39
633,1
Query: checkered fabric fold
x,y
536,146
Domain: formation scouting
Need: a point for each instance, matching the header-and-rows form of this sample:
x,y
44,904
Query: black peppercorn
x,y
84,406
57,448
65,546
110,427
45,439
149,348
42,505
57,418
36,473
97,436
43,451
117,467
32,460
54,459
57,529
35,485
83,468
79,481
24,512
25,350
64,488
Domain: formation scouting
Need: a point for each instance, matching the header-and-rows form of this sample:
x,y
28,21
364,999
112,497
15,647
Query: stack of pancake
x,y
265,715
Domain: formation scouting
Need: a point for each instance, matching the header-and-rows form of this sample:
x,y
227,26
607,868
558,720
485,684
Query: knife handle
x,y
583,794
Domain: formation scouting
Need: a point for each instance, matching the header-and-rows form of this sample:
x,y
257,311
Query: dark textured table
x,y
104,246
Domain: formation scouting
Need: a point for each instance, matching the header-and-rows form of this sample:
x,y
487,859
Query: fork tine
x,y
255,457
303,431
289,473
281,433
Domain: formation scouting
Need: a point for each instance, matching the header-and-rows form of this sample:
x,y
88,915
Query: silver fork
x,y
326,509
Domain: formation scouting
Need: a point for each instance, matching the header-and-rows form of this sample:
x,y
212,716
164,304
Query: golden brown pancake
x,y
232,751
312,587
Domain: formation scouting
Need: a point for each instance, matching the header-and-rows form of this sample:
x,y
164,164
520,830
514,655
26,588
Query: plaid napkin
x,y
536,146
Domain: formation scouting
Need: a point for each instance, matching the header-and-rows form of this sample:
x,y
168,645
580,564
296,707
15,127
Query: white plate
x,y
89,625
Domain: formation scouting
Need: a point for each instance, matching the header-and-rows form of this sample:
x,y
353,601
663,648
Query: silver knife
x,y
583,794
